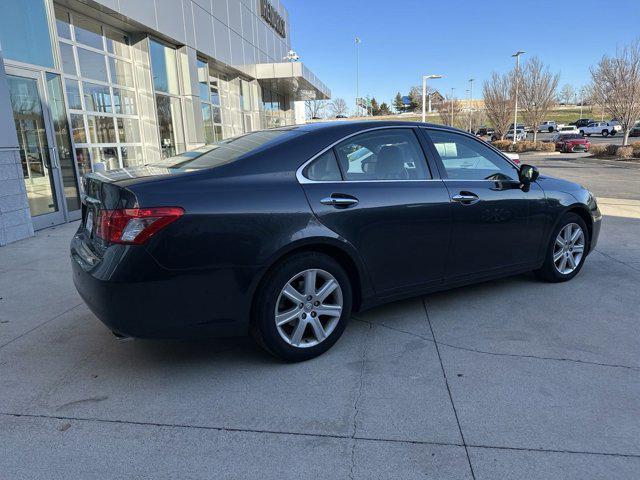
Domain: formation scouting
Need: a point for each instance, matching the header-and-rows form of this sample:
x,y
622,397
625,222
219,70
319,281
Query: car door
x,y
376,190
496,224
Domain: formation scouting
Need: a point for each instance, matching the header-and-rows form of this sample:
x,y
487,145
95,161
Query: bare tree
x,y
498,102
451,112
338,106
537,92
616,82
314,108
567,94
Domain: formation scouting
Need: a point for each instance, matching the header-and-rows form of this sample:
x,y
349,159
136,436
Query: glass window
x,y
165,68
78,131
83,161
209,136
466,158
68,62
128,130
73,94
217,129
170,125
203,74
324,168
131,156
92,65
117,43
24,32
102,129
390,154
124,101
105,158
88,32
121,72
97,98
62,23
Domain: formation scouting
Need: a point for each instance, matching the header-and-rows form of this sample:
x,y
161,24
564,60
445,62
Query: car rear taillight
x,y
134,225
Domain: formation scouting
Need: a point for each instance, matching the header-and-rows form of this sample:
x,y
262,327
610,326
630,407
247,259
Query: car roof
x,y
362,124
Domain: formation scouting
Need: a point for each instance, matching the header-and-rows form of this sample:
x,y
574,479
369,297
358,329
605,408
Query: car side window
x,y
466,158
385,154
324,168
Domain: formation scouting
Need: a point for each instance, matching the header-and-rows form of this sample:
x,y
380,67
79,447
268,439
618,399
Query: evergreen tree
x,y
375,109
384,109
398,104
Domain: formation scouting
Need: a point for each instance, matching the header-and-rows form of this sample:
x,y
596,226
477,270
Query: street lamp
x,y
451,102
515,115
358,42
424,94
470,102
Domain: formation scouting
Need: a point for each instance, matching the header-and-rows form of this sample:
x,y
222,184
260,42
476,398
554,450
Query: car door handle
x,y
339,201
466,198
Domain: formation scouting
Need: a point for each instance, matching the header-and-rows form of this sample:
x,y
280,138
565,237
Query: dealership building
x,y
88,85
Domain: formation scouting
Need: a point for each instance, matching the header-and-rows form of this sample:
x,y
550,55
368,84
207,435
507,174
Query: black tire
x,y
582,132
550,129
548,271
613,133
263,327
588,134
605,133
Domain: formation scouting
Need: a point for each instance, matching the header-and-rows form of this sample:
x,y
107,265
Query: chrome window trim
x,y
304,180
462,132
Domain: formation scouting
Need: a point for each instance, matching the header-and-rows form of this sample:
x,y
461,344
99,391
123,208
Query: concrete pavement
x,y
510,379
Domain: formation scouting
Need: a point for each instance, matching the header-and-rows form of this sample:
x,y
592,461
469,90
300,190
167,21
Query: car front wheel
x,y
566,251
302,307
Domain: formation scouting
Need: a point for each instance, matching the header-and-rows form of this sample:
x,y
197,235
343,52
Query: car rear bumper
x,y
135,297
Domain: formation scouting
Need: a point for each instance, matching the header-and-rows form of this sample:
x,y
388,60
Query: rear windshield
x,y
571,136
226,151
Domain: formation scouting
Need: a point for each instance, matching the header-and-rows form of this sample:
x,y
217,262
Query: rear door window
x,y
385,154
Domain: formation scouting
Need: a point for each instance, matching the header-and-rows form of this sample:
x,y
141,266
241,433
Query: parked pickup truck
x,y
599,128
548,126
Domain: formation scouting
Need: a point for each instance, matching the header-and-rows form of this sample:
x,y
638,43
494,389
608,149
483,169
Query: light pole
x,y
424,94
515,115
451,102
358,42
470,102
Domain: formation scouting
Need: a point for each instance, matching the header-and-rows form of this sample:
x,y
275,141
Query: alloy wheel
x,y
568,248
308,308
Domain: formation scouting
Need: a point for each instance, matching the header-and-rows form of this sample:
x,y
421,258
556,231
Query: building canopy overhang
x,y
292,79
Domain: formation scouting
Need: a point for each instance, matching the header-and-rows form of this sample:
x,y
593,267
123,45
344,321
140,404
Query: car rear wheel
x,y
302,307
550,129
613,132
582,132
566,251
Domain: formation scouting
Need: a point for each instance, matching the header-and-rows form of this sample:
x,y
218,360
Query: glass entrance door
x,y
51,200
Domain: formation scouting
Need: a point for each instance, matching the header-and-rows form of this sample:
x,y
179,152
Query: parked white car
x,y
599,128
521,134
548,126
567,129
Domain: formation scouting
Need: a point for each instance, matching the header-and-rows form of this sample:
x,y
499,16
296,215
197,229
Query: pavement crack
x,y
356,403
68,418
500,354
446,381
611,257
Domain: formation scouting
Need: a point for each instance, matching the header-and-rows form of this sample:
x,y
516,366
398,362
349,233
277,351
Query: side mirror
x,y
528,174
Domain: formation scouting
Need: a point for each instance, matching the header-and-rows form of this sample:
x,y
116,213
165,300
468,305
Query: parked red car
x,y
572,142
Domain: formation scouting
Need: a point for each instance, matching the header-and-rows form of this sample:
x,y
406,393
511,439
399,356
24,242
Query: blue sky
x,y
460,39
